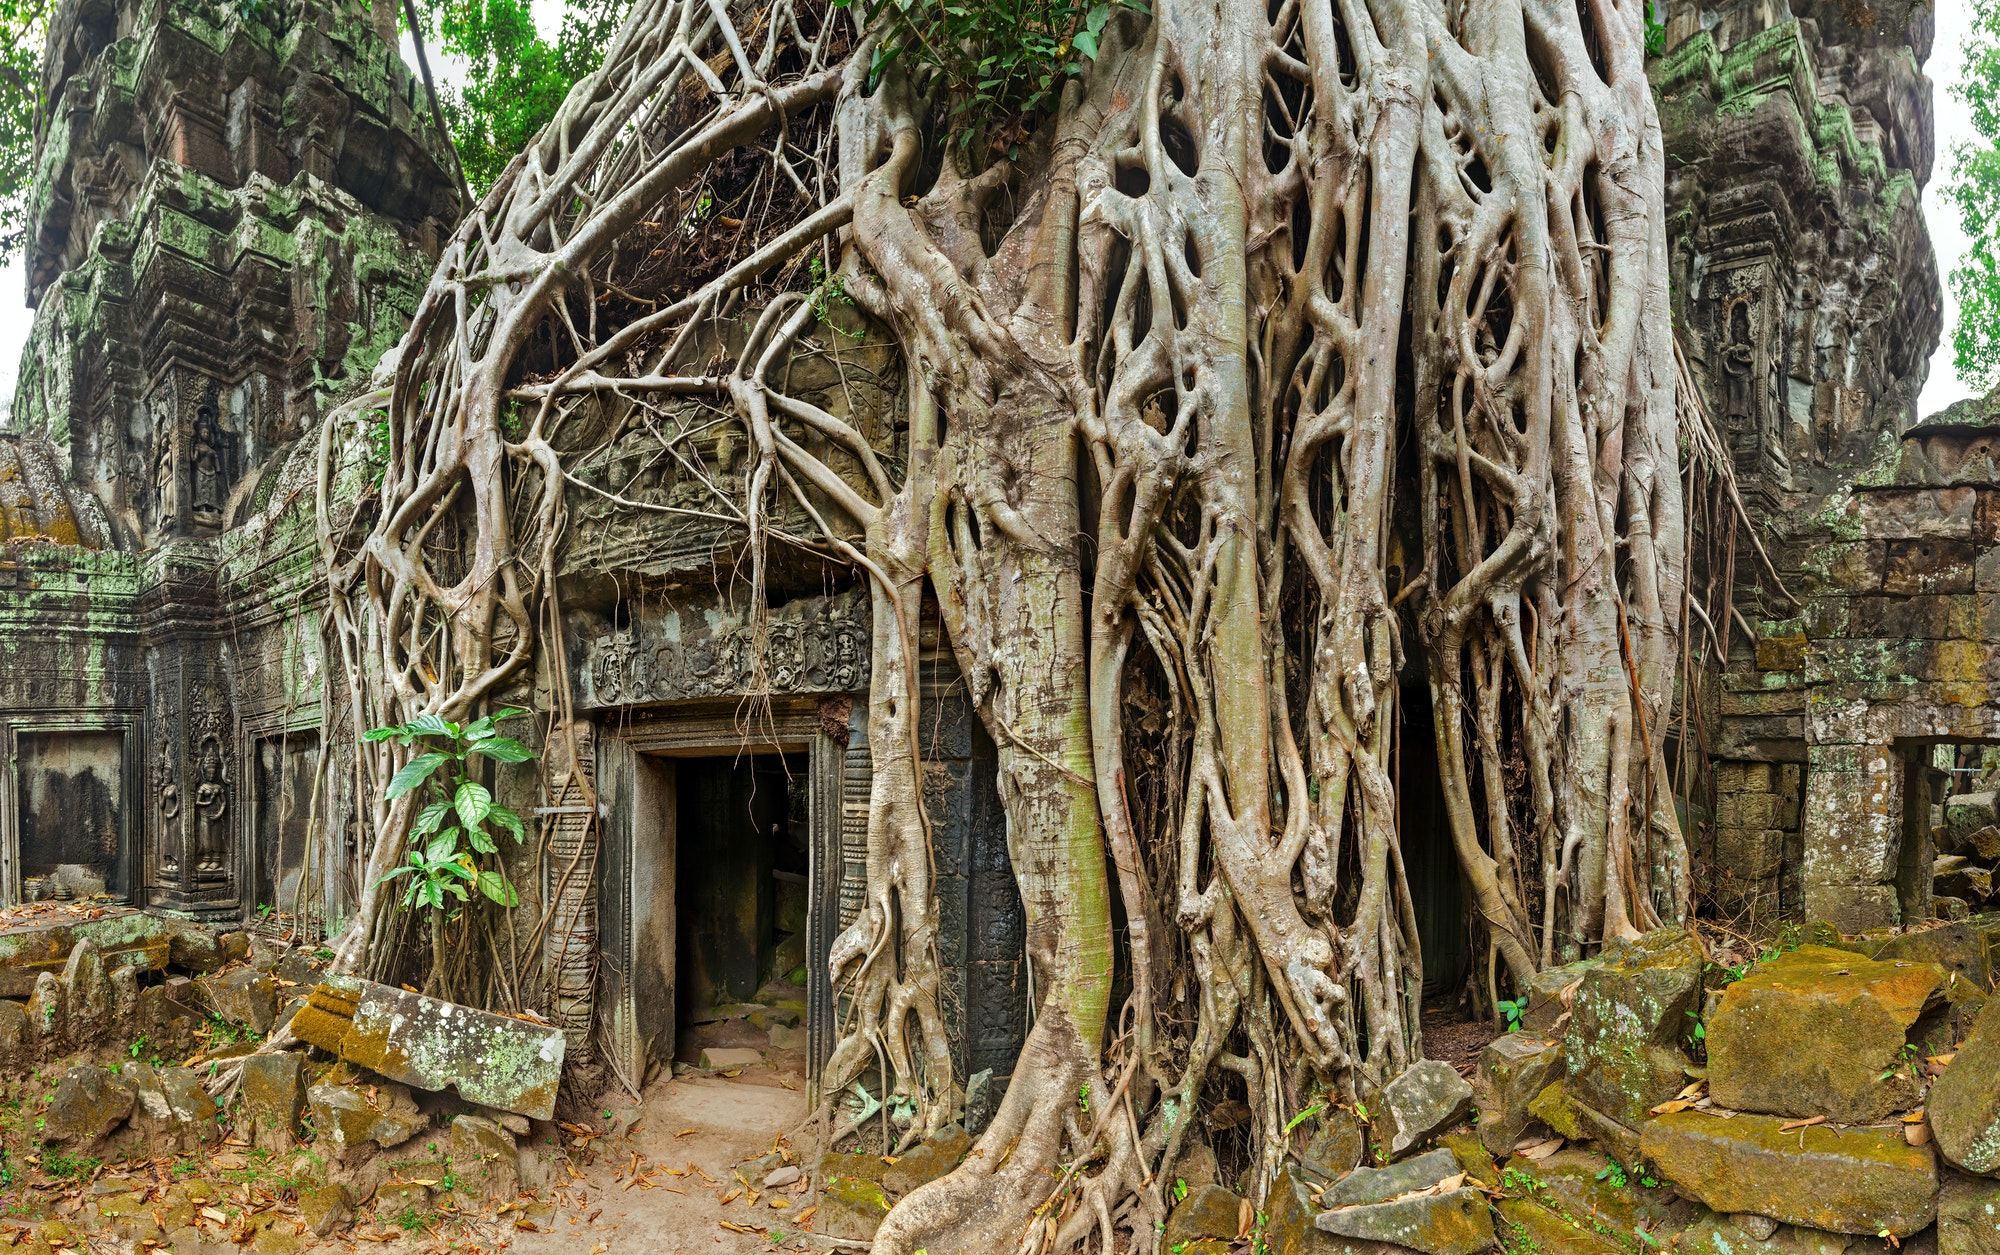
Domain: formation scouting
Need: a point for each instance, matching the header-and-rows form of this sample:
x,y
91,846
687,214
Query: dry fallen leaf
x,y
1917,1134
1672,1105
740,1228
1539,1150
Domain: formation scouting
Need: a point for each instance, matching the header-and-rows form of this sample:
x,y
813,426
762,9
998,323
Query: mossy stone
x,y
1622,1048
850,1207
1846,1180
1528,1228
1964,1103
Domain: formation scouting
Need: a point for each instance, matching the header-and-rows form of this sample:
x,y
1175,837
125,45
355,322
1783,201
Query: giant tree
x,y
1259,357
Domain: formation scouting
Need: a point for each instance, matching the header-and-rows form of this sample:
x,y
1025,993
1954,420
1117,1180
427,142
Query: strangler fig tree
x,y
1258,359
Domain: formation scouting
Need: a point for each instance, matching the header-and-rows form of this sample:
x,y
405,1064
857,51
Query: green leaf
x,y
382,734
431,725
395,872
504,748
415,772
509,820
442,846
1304,1116
495,886
473,803
429,818
481,842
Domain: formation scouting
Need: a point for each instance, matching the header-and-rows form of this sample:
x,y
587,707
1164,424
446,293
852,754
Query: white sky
x,y
1953,124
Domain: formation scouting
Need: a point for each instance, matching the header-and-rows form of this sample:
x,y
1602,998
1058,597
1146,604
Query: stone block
x,y
1964,814
273,1099
1529,1226
341,1117
840,1164
1290,1227
171,1107
1927,566
927,1160
1848,1181
245,996
1457,1222
1340,1142
729,1058
851,1208
1969,884
324,1208
1820,1031
123,937
1513,1068
1422,1100
1852,907
1964,1102
1968,1220
493,1060
485,1158
1782,653
1209,1211
1379,1185
88,1104
1622,1049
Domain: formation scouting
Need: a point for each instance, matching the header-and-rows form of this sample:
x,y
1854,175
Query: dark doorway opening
x,y
1429,858
742,861
287,901
71,807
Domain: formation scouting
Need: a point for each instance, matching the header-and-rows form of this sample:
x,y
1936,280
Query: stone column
x,y
1853,835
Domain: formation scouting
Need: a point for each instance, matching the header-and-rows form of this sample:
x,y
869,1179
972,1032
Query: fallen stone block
x,y
843,1164
1456,1222
493,1060
1513,1068
245,996
1968,1215
1531,1227
1970,884
1969,947
324,1208
1964,1102
171,1106
1965,814
729,1058
1550,993
850,1207
1423,1099
1208,1212
1848,1181
123,937
927,1160
1622,1048
1339,1144
1820,1031
274,1097
1738,1235
89,1103
1378,1185
484,1158
341,1115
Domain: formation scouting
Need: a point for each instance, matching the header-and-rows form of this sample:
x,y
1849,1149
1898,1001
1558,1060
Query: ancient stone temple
x,y
236,211
1800,139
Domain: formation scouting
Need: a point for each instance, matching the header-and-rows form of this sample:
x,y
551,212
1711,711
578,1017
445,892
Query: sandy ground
x,y
685,1128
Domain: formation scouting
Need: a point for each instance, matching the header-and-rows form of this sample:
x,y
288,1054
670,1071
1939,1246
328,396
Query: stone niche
x,y
72,834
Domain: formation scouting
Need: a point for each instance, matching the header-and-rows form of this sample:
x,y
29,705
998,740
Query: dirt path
x,y
686,1127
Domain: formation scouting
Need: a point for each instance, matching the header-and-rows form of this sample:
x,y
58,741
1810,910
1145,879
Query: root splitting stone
x,y
927,1160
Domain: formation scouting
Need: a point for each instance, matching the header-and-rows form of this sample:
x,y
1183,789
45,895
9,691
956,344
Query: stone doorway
x,y
72,837
743,860
288,874
1951,830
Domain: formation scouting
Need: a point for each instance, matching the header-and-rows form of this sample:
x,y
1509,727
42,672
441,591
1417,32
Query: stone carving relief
x,y
814,644
193,775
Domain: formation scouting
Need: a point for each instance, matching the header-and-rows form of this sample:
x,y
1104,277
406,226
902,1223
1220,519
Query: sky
x,y
1953,124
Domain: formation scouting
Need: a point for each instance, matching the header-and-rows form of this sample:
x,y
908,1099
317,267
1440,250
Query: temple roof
x,y
35,503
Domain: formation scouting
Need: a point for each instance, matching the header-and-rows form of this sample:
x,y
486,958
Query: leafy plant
x,y
1513,1009
451,833
1975,189
1614,1172
1003,62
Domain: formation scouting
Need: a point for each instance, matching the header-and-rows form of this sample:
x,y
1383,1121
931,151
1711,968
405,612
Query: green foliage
x,y
63,1166
1003,61
458,825
1512,1010
23,27
514,78
1975,189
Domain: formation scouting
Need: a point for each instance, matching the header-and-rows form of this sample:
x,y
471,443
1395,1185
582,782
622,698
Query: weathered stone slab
x,y
1970,947
1964,1103
273,1099
1531,1227
1820,1031
493,1060
1209,1211
1379,1185
89,1103
485,1158
1965,814
1968,1215
244,996
1290,1227
171,1105
1423,1099
1513,1068
851,1208
123,937
1339,1144
1454,1223
1622,1049
1848,1180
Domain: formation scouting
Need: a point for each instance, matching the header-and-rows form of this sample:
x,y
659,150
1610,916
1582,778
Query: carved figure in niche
x,y
1749,422
210,490
171,835
211,807
165,500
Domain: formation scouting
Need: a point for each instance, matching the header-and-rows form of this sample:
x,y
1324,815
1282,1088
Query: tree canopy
x,y
1975,189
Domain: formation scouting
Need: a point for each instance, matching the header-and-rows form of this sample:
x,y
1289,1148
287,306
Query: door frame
x,y
634,785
